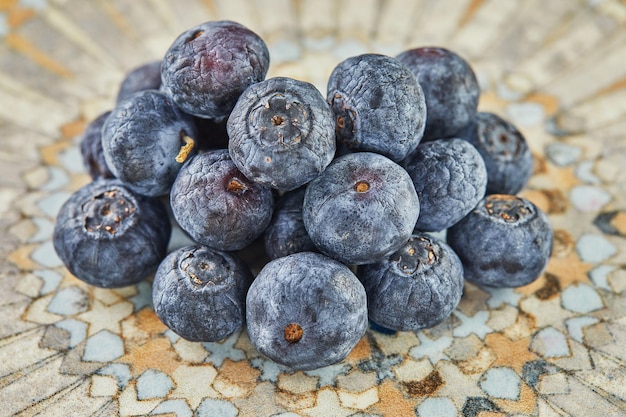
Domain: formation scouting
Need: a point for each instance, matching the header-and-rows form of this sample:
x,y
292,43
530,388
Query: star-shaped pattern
x,y
501,296
220,351
328,374
546,313
476,324
194,383
569,269
103,317
236,379
155,354
143,298
433,349
269,369
514,354
142,326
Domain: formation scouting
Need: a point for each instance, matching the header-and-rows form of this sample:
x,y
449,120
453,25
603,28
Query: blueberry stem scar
x,y
361,187
293,333
185,150
235,186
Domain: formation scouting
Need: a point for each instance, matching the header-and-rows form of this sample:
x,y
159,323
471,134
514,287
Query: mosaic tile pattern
x,y
553,348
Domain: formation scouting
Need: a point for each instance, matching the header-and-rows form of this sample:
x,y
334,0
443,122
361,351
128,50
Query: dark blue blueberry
x,y
306,311
146,139
450,179
110,237
506,241
450,88
210,65
508,159
415,288
91,149
217,205
286,233
361,208
281,133
200,293
144,77
378,105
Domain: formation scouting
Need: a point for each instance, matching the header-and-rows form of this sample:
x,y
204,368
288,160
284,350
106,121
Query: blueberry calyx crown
x,y
111,212
507,208
281,121
418,254
293,333
501,142
204,268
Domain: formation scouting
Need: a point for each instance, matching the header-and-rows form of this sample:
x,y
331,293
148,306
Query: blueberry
x,y
200,293
217,205
450,88
146,139
306,311
286,233
144,77
415,288
281,133
108,236
361,208
210,65
91,149
506,241
450,179
507,156
378,105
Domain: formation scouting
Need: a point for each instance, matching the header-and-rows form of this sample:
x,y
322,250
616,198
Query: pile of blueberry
x,y
344,191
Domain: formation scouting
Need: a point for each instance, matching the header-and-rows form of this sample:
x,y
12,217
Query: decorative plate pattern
x,y
553,348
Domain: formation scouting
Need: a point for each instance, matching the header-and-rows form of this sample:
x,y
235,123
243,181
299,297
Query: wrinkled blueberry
x,y
146,139
450,179
91,149
507,156
450,88
210,65
144,77
110,237
217,205
415,288
286,233
200,293
378,105
306,311
281,133
506,241
361,208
